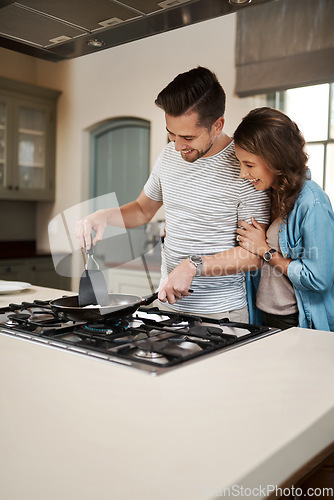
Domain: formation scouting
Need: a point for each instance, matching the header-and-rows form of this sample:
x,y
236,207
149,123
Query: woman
x,y
296,286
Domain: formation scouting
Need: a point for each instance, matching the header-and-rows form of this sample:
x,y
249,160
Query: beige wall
x,y
122,81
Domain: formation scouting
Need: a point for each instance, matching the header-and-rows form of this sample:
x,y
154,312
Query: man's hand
x,y
176,285
83,229
133,214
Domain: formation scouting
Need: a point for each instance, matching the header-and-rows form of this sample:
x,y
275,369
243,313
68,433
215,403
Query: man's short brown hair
x,y
197,90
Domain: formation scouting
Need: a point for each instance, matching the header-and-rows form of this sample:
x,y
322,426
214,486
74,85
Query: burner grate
x,y
150,339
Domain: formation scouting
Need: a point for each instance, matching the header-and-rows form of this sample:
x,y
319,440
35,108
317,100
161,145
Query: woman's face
x,y
254,169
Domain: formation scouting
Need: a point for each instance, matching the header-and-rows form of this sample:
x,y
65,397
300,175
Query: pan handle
x,y
145,301
151,298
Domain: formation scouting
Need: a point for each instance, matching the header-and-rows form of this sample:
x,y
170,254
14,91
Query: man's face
x,y
189,138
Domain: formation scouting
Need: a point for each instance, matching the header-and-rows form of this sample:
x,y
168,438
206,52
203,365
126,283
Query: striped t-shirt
x,y
203,202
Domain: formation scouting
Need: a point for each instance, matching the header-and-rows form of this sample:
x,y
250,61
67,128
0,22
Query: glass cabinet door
x,y
31,148
27,141
3,152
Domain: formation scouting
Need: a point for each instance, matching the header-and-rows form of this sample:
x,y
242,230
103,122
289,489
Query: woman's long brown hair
x,y
273,136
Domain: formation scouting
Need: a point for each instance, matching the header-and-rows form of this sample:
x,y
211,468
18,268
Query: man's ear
x,y
218,125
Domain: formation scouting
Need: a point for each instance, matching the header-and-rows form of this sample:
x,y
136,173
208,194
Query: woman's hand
x,y
252,237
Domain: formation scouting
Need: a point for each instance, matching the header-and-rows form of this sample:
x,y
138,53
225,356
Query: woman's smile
x,y
255,170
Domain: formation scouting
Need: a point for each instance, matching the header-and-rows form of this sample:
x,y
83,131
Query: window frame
x,y
277,100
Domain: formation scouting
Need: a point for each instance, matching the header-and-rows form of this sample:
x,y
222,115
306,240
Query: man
x,y
196,177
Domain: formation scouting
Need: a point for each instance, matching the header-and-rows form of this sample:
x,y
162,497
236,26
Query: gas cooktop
x,y
150,339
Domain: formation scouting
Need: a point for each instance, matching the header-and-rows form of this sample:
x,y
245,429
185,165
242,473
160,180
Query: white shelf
x,y
31,132
31,165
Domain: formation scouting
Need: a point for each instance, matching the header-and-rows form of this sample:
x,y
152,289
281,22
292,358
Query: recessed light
x,y
239,2
95,43
60,39
111,22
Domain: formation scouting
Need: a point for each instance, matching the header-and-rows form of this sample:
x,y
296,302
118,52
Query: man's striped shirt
x,y
203,202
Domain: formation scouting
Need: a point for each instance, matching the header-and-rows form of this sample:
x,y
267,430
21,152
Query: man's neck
x,y
224,140
220,143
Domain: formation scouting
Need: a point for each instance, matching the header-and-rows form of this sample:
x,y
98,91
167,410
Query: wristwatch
x,y
268,255
198,262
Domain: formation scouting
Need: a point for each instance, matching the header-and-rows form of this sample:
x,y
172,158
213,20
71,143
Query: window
x,y
312,108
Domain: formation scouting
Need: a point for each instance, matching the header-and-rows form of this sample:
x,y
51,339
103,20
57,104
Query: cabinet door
x,y
5,181
131,282
35,270
33,170
3,152
27,141
44,274
11,270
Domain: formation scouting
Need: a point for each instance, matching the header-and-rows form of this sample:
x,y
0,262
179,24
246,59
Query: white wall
x,y
123,81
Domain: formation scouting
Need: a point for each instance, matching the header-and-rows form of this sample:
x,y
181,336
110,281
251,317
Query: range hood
x,y
57,30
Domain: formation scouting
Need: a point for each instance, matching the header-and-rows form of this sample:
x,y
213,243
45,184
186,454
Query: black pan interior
x,y
116,300
68,307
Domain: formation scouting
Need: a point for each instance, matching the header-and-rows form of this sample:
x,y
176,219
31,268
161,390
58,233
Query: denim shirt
x,y
308,239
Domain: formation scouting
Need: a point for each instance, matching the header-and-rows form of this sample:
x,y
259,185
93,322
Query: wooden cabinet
x,y
27,141
35,270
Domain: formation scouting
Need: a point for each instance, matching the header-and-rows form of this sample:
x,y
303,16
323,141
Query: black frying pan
x,y
120,305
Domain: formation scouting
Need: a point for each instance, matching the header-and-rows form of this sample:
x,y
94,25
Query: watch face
x,y
267,256
198,262
197,259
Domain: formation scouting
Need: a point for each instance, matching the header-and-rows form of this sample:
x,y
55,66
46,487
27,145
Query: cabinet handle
x,y
10,187
16,188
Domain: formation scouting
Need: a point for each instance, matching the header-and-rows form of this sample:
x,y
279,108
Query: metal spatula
x,y
92,287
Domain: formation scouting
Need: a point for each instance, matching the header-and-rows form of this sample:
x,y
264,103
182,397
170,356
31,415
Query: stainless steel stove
x,y
150,339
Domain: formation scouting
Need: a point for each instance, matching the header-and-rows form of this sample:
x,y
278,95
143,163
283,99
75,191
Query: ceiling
x,y
57,30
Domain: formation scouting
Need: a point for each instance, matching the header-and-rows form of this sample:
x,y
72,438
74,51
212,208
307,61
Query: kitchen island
x,y
75,428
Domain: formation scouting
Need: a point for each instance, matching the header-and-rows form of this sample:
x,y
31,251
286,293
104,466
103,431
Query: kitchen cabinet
x,y
27,141
132,281
35,270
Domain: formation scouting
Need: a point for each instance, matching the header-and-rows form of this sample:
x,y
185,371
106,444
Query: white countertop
x,y
74,428
30,294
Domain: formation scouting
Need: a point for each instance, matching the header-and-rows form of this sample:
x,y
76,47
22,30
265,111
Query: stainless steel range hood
x,y
64,29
